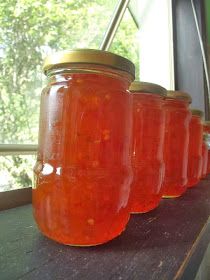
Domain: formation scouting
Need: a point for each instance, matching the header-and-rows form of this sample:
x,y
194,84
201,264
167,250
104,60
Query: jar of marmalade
x,y
148,135
194,170
204,155
83,171
206,128
176,143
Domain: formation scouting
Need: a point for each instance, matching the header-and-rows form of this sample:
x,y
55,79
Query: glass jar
x,y
206,128
176,143
194,170
204,155
148,135
83,171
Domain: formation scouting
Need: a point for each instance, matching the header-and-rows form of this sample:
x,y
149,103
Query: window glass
x,y
126,42
29,30
16,172
32,29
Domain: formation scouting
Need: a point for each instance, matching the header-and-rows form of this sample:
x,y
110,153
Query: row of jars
x,y
109,147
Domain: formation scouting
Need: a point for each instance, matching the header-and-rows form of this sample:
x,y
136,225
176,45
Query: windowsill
x,y
165,243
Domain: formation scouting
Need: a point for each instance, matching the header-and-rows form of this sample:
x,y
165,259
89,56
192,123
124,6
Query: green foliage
x,y
126,41
16,172
30,29
207,9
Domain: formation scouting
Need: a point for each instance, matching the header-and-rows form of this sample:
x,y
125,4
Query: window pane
x,y
207,7
155,37
16,172
30,29
126,42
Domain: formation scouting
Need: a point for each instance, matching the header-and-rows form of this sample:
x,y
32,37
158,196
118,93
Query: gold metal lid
x,y
89,56
205,136
181,95
206,123
144,87
197,112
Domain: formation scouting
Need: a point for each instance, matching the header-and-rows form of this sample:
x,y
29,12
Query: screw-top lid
x,y
206,123
143,87
181,95
88,56
205,136
197,112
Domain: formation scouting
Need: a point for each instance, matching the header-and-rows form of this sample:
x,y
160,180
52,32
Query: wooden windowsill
x,y
14,198
167,243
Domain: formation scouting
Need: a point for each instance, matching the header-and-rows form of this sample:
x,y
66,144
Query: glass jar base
x,y
68,240
193,184
171,196
92,244
89,245
135,212
139,213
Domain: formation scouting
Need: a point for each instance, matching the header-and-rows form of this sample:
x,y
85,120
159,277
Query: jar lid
x,y
144,87
197,112
89,56
205,136
181,95
206,123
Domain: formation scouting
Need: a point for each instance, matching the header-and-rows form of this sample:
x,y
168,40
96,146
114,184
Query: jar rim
x,y
179,95
88,56
145,87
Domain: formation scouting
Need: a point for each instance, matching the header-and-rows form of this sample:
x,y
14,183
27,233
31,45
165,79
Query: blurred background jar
x,y
206,128
148,136
176,143
204,155
194,171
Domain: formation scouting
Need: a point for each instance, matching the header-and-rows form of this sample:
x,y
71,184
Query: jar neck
x,y
196,119
206,129
182,104
148,99
89,73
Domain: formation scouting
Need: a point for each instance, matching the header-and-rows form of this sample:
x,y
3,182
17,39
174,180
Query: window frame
x,y
186,45
15,198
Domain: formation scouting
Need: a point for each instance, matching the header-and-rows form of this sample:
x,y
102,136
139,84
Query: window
x,y
155,39
207,5
126,41
29,30
16,172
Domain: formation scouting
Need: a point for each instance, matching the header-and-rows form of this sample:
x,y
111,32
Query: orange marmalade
x,y
206,128
204,156
83,170
194,171
176,143
148,135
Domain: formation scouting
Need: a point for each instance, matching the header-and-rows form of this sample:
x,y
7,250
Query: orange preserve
x,y
83,171
194,171
204,155
176,143
148,135
206,127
